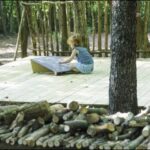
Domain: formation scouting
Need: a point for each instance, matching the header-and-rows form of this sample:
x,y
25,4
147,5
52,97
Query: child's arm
x,y
73,54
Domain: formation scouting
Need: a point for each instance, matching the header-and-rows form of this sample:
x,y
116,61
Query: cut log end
x,y
66,128
74,106
91,131
92,118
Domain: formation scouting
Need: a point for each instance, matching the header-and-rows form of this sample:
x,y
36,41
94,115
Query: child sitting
x,y
85,63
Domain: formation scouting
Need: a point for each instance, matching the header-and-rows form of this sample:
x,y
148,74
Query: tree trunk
x,y
123,80
93,28
50,14
106,27
21,38
18,12
46,34
37,28
76,20
80,21
138,25
147,7
99,25
68,13
42,20
64,31
56,29
24,31
31,29
24,38
85,37
3,17
11,17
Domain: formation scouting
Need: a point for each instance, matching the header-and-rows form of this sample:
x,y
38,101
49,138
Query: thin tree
x,y
138,25
146,17
63,23
123,79
24,31
106,25
51,16
3,17
80,21
99,25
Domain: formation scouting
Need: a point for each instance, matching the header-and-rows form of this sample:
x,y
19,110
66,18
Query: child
x,y
85,62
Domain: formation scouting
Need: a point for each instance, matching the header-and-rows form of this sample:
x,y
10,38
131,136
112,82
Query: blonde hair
x,y
74,39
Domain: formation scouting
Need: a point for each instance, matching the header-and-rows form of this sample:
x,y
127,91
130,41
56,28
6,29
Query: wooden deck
x,y
18,83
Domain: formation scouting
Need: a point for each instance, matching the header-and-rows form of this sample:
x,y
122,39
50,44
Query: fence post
x,y
19,33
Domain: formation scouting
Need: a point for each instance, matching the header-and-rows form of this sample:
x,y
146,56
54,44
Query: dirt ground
x,y
7,48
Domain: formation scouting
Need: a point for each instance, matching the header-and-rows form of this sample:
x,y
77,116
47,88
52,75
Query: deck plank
x,y
19,83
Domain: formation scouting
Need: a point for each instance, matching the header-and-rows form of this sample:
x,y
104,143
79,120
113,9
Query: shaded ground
x,y
7,48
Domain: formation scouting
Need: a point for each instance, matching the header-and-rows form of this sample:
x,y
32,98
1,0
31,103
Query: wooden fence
x,y
50,23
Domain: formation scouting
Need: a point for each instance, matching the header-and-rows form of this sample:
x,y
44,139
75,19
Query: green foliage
x,y
10,13
142,9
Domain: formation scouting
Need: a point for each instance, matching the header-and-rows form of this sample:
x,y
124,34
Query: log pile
x,y
74,126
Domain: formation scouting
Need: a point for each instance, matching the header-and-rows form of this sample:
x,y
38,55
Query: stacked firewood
x,y
74,126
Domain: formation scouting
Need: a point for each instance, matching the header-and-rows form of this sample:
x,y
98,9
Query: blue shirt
x,y
83,56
